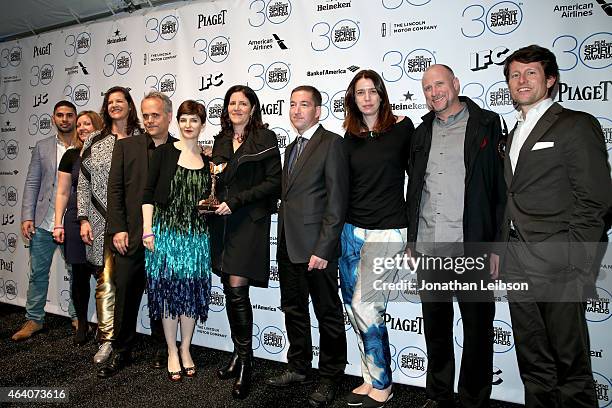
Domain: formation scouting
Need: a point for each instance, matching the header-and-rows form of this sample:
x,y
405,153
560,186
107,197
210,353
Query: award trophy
x,y
210,205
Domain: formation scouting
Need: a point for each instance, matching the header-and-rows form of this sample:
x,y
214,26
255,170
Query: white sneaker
x,y
104,352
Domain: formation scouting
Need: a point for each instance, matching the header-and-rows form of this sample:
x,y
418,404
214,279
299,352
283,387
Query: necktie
x,y
301,143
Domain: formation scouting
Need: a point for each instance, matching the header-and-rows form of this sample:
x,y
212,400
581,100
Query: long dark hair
x,y
133,123
353,118
255,122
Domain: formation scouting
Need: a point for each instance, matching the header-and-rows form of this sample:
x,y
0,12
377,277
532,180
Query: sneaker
x,y
103,353
29,329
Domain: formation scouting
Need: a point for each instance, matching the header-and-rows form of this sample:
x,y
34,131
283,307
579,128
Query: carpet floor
x,y
51,360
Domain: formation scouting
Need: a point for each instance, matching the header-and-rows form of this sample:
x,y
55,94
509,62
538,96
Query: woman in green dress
x,y
176,237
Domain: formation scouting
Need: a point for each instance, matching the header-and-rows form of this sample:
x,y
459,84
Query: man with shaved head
x,y
456,197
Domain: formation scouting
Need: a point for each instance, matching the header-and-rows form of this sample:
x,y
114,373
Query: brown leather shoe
x,y
29,329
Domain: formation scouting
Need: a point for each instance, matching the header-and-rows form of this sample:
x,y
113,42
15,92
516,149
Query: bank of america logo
x,y
353,68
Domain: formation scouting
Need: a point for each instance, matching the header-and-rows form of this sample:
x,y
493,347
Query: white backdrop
x,y
197,50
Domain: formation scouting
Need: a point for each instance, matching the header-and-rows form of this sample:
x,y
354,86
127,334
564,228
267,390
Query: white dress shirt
x,y
524,127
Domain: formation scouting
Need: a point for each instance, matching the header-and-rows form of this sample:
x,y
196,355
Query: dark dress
x,y
251,186
74,248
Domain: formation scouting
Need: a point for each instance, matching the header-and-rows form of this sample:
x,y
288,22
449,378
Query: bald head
x,y
441,90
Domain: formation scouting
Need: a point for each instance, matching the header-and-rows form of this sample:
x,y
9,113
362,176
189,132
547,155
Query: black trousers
x,y
130,281
477,313
551,338
296,283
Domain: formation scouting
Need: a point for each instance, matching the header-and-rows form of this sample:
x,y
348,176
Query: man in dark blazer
x,y
126,183
310,219
456,199
559,191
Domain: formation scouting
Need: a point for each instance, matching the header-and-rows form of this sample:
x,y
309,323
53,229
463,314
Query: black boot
x,y
242,384
240,316
82,333
230,370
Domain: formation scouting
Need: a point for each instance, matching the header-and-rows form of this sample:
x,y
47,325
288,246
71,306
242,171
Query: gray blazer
x,y
40,181
314,198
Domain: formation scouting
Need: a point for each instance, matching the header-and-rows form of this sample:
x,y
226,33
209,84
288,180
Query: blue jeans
x,y
42,248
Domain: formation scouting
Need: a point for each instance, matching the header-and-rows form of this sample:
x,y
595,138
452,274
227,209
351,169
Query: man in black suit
x,y
456,199
126,183
559,191
310,219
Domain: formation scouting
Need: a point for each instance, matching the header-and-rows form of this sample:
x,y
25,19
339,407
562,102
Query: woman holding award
x,y
176,237
376,142
248,188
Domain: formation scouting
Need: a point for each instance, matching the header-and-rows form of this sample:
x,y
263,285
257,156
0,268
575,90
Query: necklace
x,y
238,137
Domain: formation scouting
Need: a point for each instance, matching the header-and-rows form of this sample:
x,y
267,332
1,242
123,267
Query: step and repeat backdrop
x,y
197,50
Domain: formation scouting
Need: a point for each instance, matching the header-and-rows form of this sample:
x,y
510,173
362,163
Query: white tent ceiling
x,y
22,18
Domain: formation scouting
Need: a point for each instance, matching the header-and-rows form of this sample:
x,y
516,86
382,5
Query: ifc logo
x,y
412,362
598,310
217,299
273,339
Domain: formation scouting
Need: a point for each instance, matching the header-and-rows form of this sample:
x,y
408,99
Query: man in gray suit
x,y
310,219
559,191
38,213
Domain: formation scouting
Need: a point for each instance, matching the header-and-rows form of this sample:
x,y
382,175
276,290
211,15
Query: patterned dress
x,y
92,187
178,270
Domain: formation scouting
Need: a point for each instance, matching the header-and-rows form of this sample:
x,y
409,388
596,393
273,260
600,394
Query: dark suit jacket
x,y
561,193
314,198
126,183
485,190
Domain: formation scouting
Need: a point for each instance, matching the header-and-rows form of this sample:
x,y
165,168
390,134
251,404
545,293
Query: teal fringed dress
x,y
178,270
